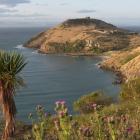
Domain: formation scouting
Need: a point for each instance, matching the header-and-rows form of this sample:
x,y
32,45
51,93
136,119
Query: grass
x,y
129,57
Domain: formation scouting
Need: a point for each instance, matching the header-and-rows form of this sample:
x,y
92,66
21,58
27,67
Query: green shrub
x,y
87,103
97,50
68,47
57,47
78,45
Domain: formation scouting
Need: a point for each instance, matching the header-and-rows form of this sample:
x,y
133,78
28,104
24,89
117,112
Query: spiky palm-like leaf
x,y
11,64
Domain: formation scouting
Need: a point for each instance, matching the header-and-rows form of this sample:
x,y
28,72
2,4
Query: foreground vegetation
x,y
99,118
116,122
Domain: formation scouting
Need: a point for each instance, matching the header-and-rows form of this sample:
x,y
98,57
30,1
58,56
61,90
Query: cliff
x,y
127,62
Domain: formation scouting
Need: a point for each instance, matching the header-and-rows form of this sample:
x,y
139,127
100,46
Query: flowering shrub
x,y
63,122
86,103
114,122
40,123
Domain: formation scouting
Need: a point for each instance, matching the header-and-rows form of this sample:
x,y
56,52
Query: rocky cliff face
x,y
83,35
127,62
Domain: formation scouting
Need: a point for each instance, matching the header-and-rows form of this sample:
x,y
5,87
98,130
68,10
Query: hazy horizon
x,y
34,13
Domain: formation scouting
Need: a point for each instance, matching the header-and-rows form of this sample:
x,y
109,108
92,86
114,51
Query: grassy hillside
x,y
97,35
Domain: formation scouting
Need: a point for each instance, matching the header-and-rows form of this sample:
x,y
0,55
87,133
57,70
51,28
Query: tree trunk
x,y
9,111
9,125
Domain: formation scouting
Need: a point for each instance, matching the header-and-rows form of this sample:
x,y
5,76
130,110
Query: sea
x,y
50,78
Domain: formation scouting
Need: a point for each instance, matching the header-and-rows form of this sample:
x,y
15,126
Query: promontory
x,y
83,35
88,36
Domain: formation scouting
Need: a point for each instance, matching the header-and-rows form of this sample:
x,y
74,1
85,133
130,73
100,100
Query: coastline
x,y
75,54
120,78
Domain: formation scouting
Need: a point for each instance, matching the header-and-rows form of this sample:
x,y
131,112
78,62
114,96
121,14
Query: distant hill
x,y
83,35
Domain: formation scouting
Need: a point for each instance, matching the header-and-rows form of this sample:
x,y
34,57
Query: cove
x,y
50,78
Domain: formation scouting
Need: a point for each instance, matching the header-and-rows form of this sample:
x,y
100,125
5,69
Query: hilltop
x,y
84,35
88,22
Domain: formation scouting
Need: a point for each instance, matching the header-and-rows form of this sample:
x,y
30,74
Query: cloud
x,y
63,4
6,10
86,11
40,4
13,3
15,15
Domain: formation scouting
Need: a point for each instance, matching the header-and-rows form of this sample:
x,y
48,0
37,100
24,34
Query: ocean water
x,y
132,28
52,77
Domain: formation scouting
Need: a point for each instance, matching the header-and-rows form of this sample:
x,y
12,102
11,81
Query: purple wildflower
x,y
129,129
46,114
62,113
63,102
57,103
94,106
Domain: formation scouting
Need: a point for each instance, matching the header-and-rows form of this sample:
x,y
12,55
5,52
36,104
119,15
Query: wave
x,y
98,65
20,47
35,52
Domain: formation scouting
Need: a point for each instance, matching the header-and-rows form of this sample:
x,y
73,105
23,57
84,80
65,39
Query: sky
x,y
32,13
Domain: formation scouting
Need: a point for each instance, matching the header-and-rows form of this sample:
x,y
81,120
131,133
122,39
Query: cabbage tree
x,y
11,64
